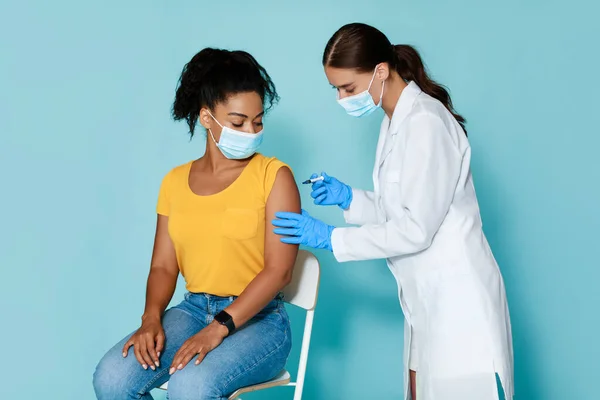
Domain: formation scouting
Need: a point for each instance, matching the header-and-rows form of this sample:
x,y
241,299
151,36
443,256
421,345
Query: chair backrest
x,y
302,292
304,287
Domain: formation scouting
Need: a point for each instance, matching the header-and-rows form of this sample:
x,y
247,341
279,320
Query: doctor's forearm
x,y
387,240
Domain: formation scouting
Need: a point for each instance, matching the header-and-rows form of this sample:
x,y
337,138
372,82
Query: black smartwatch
x,y
225,319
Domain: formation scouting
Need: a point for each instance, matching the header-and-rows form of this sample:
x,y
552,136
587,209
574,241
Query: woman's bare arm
x,y
279,257
163,272
149,340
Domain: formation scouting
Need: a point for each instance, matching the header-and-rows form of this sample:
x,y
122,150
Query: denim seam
x,y
145,390
285,319
257,363
278,312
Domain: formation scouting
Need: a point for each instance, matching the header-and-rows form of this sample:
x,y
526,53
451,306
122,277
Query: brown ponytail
x,y
410,67
363,47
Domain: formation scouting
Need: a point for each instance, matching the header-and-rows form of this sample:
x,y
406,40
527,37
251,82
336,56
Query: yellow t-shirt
x,y
219,239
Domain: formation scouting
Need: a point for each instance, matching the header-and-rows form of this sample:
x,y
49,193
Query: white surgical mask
x,y
237,145
362,104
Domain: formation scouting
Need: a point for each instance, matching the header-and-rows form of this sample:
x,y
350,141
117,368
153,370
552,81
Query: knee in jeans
x,y
195,383
110,382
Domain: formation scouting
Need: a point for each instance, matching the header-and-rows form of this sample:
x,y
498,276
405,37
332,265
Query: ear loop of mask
x,y
382,86
369,88
210,130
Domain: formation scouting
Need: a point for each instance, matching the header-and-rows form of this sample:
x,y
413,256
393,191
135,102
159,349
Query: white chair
x,y
301,292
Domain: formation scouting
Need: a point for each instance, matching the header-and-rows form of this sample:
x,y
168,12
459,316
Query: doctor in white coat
x,y
422,217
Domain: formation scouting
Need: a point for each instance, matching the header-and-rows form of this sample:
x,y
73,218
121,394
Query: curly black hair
x,y
212,76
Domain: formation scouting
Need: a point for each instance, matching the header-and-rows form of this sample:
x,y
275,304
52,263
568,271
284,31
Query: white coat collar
x,y
403,107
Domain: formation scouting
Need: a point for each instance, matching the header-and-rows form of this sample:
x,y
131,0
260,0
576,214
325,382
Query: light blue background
x,y
85,138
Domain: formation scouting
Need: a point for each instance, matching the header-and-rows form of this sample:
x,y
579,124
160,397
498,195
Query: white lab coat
x,y
423,217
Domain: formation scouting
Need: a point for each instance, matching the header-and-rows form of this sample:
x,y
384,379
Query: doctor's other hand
x,y
303,229
331,192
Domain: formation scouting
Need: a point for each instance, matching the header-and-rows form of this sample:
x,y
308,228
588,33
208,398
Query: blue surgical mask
x,y
237,145
362,104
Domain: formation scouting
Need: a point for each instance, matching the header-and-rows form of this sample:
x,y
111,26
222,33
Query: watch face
x,y
222,317
225,319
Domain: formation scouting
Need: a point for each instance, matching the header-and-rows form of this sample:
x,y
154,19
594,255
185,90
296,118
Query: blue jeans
x,y
253,354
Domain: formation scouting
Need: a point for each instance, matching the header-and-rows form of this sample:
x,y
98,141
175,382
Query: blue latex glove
x,y
303,229
330,192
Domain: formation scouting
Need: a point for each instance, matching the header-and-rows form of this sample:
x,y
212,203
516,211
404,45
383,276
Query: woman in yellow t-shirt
x,y
211,227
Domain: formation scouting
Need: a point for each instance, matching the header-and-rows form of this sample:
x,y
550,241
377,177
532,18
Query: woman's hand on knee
x,y
200,344
147,343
